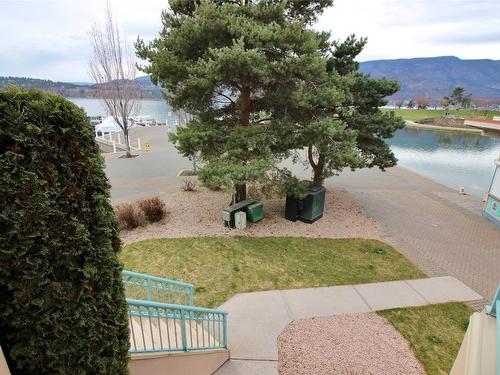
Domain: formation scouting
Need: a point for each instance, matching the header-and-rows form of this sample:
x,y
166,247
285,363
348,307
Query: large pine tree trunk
x,y
240,194
319,172
318,168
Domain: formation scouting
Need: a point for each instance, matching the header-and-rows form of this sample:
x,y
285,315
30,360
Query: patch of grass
x,y
434,332
419,114
221,267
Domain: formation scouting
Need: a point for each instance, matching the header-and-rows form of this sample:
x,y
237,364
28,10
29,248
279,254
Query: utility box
x,y
293,206
240,220
308,209
313,205
228,213
255,212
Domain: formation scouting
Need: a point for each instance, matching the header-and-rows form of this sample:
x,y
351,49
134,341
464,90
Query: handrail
x,y
151,288
492,308
136,302
162,327
156,278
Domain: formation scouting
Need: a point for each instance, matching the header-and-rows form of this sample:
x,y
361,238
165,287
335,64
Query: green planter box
x,y
255,212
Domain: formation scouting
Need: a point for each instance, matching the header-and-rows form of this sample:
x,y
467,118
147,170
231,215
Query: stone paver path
x,y
256,319
151,173
443,232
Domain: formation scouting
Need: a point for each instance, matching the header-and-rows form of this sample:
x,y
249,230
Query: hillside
x,y
435,77
76,89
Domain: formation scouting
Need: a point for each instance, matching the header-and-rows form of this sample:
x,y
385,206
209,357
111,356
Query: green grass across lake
x,y
419,114
220,267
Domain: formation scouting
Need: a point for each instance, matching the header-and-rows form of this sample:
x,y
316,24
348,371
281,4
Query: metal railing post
x,y
150,290
183,331
224,320
191,297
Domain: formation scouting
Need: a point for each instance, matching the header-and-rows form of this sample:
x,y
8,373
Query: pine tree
x,y
235,66
339,118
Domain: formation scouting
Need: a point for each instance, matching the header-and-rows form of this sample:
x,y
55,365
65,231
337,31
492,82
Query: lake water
x,y
452,158
159,109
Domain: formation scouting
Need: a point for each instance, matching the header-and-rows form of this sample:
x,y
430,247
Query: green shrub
x,y
62,306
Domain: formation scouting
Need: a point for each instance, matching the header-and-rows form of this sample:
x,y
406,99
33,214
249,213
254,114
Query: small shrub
x,y
129,216
189,185
153,208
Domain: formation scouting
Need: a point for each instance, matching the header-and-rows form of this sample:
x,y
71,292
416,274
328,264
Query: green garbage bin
x,y
255,212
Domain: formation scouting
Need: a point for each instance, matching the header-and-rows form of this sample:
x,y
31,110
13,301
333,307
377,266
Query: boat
x,y
144,120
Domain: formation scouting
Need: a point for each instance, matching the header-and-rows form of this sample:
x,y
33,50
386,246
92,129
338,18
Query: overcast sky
x,y
48,38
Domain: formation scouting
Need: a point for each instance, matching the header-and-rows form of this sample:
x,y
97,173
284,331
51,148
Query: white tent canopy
x,y
109,125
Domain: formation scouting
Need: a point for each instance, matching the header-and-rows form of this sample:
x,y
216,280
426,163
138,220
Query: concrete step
x,y
199,362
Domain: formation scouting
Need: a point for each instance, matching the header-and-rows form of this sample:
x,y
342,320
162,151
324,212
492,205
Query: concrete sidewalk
x,y
256,319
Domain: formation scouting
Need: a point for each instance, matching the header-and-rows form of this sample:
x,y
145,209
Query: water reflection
x,y
454,159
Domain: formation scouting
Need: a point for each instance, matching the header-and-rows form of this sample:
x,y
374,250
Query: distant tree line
x,y
70,90
458,99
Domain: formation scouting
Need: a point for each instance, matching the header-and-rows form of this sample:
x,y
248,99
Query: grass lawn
x,y
220,267
434,332
419,114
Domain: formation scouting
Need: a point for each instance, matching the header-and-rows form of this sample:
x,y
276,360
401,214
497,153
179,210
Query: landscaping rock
x,y
345,344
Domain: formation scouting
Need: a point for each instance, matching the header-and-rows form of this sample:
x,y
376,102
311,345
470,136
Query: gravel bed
x,y
199,213
345,344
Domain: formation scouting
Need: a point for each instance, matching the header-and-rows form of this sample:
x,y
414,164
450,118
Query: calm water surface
x,y
451,158
159,109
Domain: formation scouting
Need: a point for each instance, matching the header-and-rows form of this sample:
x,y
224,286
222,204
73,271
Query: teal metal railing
x,y
162,317
144,287
161,327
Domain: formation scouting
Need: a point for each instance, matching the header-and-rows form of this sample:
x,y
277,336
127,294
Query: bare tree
x,y
422,102
399,103
113,69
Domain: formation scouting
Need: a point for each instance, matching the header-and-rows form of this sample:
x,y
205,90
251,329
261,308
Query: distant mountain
x,y
148,86
435,77
76,89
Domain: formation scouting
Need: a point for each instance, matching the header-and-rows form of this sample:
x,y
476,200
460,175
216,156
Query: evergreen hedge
x,y
62,304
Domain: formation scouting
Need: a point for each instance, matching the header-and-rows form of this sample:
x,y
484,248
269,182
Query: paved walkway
x,y
256,319
151,173
440,230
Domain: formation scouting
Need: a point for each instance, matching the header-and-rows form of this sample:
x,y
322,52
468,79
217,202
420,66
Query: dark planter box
x,y
308,209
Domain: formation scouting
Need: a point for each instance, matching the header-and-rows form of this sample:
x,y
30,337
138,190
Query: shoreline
x,y
411,124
